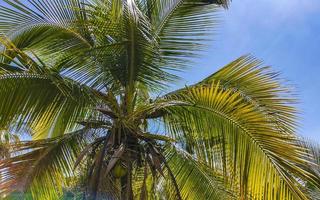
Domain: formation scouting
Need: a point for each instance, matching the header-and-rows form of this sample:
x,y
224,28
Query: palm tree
x,y
85,77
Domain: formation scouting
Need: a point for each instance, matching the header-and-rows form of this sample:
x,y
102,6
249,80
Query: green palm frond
x,y
61,35
54,30
129,26
40,97
46,27
172,21
58,31
36,23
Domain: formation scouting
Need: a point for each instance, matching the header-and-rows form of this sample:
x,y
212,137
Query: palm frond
x,y
42,167
54,30
182,28
27,23
263,87
58,30
41,98
247,135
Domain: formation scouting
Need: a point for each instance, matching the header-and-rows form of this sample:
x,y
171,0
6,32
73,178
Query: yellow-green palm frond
x,y
232,127
260,85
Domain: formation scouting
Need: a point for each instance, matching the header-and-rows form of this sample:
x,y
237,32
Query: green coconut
x,y
119,170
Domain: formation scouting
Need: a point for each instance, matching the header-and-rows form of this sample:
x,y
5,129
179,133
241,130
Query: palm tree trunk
x,y
126,184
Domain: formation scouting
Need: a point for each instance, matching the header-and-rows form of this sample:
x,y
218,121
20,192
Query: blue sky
x,y
285,34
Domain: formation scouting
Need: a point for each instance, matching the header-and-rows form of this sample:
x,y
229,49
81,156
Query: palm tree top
x,y
82,74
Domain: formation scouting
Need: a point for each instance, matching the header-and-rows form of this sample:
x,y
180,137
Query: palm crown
x,y
83,76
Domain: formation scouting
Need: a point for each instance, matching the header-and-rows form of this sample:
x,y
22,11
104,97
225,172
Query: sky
x,y
284,34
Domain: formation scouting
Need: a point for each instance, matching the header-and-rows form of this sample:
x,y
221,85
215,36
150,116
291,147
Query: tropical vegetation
x,y
85,81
